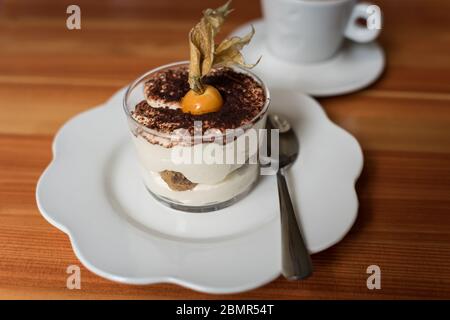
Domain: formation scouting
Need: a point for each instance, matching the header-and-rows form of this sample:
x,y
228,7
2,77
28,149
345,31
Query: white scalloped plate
x,y
92,191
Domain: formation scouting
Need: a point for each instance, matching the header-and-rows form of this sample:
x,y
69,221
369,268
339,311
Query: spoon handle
x,y
296,262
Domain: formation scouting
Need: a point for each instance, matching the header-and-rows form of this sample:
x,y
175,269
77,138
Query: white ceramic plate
x,y
92,191
354,67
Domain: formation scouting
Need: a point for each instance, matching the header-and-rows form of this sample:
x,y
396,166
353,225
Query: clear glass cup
x,y
218,184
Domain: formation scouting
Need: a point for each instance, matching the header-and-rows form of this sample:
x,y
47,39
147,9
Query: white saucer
x,y
354,67
92,191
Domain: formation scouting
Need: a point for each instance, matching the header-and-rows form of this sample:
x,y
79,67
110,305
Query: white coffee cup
x,y
305,31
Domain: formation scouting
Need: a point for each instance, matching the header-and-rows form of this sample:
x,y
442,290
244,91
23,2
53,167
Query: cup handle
x,y
359,33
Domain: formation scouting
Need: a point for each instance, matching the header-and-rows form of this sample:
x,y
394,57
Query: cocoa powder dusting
x,y
243,99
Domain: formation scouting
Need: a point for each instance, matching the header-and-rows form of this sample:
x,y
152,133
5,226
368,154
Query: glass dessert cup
x,y
202,183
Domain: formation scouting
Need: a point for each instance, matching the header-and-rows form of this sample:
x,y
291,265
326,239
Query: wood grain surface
x,y
49,74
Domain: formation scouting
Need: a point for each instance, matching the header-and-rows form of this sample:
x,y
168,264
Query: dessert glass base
x,y
207,207
204,198
152,107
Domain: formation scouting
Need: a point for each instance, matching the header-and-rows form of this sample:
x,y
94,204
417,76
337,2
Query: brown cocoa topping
x,y
243,98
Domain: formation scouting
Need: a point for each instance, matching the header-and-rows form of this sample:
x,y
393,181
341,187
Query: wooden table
x,y
49,74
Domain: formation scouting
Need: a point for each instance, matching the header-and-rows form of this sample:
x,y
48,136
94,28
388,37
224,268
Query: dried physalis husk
x,y
201,41
203,51
228,52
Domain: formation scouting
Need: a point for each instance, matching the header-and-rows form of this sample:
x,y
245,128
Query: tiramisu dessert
x,y
193,122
